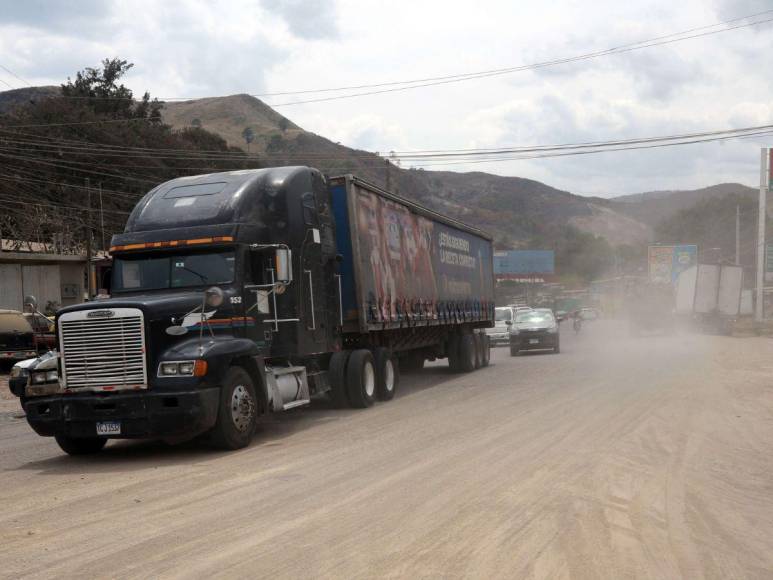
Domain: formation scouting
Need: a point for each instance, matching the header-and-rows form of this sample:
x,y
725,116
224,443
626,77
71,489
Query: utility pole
x,y
738,235
759,307
88,240
102,218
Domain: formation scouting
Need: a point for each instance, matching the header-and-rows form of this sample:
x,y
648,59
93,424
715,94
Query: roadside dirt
x,y
618,458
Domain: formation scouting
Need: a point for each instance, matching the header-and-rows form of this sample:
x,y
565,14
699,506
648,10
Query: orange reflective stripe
x,y
172,243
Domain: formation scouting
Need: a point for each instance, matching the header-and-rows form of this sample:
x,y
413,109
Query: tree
x,y
99,90
284,124
249,136
196,123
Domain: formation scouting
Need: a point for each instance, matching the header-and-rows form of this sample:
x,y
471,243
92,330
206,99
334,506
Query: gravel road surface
x,y
618,458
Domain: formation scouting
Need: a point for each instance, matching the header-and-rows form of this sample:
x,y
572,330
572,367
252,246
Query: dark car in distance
x,y
535,330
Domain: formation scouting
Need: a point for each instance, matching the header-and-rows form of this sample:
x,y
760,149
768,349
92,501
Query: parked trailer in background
x,y
710,295
243,293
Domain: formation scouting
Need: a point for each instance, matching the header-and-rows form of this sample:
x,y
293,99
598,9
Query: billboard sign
x,y
524,263
667,262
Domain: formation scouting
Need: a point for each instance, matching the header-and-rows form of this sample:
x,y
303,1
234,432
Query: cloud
x,y
193,48
54,14
310,19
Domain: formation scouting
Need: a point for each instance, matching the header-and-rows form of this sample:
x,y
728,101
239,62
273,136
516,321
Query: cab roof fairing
x,y
212,199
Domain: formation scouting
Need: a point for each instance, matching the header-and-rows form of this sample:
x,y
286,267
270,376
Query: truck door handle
x,y
311,297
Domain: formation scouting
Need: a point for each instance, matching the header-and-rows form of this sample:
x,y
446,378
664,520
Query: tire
x,y
557,349
81,446
486,351
237,414
336,371
478,350
467,354
387,374
514,350
361,379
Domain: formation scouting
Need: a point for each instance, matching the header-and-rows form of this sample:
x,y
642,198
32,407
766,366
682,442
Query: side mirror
x,y
508,322
283,265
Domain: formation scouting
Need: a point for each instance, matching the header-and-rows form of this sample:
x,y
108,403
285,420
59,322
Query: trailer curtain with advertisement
x,y
413,268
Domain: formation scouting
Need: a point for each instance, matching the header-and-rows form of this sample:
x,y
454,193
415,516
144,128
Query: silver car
x,y
503,318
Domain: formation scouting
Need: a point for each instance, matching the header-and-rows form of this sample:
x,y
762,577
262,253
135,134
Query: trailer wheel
x,y
387,374
237,414
361,379
467,354
478,350
336,371
80,445
486,358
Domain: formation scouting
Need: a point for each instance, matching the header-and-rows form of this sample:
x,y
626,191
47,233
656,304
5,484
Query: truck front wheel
x,y
337,374
237,414
387,374
361,379
81,445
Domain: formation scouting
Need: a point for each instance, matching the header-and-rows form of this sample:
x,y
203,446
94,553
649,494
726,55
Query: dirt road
x,y
619,458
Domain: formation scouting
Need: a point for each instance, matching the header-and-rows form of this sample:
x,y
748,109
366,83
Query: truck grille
x,y
103,352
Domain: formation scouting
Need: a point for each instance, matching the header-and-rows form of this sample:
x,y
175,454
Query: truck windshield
x,y
157,272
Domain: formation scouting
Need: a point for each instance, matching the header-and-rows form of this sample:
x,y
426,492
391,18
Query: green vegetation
x,y
94,132
711,224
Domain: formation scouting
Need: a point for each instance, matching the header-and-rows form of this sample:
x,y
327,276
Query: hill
x,y
710,223
229,117
13,99
514,209
654,207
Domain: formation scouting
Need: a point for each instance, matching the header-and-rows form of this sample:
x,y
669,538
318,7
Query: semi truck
x,y
239,294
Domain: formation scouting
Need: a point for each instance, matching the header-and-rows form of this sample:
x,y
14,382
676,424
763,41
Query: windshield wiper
x,y
195,273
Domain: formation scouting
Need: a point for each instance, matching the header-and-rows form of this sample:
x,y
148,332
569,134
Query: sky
x,y
200,48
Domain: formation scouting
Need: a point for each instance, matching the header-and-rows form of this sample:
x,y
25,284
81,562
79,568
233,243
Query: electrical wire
x,y
732,24
13,74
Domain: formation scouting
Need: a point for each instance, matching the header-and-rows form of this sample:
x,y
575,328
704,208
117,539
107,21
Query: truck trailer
x,y
239,294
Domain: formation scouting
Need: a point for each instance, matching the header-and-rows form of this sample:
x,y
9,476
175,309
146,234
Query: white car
x,y
503,318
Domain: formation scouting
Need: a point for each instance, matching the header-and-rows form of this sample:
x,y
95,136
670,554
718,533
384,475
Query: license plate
x,y
108,428
534,341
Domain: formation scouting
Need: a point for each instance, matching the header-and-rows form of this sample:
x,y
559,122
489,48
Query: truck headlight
x,y
17,372
185,368
168,369
52,376
38,378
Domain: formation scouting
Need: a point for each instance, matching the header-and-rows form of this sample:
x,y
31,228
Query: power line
x,y
13,74
144,120
474,76
732,24
408,155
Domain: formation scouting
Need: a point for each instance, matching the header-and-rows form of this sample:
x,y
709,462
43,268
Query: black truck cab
x,y
194,294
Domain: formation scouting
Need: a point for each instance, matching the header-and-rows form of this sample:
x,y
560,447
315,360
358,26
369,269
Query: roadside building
x,y
55,279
